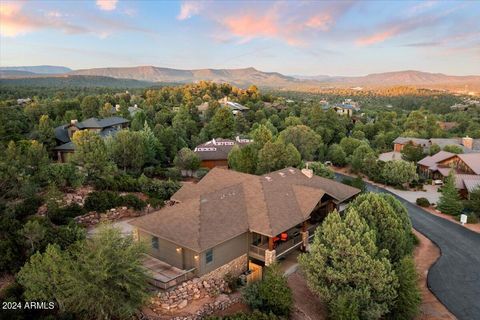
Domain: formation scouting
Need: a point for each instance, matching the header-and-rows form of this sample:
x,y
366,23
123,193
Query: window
x,y
209,256
155,243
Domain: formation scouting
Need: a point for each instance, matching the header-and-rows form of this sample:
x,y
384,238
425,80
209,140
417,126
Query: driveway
x,y
455,277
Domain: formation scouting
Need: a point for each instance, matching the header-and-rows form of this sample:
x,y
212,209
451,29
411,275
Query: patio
x,y
164,275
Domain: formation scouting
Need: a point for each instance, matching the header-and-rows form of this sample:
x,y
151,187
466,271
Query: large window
x,y
209,256
155,243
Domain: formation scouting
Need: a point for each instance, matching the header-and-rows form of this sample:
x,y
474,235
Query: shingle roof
x,y
431,161
472,160
61,133
218,148
227,203
404,140
471,183
69,146
101,123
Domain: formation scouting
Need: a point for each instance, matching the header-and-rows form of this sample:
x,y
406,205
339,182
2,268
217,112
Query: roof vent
x,y
308,173
282,174
291,171
268,178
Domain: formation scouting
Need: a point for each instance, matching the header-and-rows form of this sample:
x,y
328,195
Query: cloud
x,y
107,5
15,21
189,9
399,27
289,22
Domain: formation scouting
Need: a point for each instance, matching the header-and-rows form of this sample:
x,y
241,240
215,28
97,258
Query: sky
x,y
290,37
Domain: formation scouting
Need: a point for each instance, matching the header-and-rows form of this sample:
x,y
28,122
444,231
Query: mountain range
x,y
247,76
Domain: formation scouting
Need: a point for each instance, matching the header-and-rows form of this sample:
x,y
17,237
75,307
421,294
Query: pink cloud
x,y
289,22
377,37
107,5
189,9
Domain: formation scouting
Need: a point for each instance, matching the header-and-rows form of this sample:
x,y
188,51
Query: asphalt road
x,y
455,276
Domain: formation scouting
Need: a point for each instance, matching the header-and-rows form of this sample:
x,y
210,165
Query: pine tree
x,y
450,202
344,262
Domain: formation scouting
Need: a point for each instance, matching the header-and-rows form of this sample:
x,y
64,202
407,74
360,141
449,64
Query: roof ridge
x,y
266,204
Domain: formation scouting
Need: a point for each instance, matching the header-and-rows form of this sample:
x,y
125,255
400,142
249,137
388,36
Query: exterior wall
x,y
398,147
64,156
167,252
224,253
214,163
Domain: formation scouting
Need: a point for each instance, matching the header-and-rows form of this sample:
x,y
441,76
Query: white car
x,y
438,182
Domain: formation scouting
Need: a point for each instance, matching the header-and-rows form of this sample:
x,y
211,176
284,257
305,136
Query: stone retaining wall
x,y
209,285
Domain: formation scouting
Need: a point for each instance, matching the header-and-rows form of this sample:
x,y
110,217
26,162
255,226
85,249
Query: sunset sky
x,y
307,38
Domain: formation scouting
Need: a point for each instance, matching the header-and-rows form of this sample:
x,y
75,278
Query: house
x,y
466,167
231,218
235,107
104,127
344,109
447,125
466,143
23,101
214,153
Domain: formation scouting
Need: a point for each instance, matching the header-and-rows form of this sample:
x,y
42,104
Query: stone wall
x,y
209,285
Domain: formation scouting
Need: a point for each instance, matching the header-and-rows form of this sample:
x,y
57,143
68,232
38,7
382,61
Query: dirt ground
x,y
306,306
426,253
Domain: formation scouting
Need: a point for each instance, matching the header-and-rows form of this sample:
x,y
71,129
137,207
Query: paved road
x,y
455,277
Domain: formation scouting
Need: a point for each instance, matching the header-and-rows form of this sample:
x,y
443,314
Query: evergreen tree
x,y
344,263
337,155
304,139
407,304
127,149
186,159
44,132
276,155
100,278
222,124
90,107
243,159
449,201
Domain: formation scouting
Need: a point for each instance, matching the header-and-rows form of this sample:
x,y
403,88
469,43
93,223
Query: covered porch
x,y
163,275
261,246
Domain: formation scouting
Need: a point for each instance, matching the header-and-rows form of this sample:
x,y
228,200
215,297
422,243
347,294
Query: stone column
x,y
270,257
305,243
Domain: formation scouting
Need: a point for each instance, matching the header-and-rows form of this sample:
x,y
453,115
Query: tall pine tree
x,y
450,202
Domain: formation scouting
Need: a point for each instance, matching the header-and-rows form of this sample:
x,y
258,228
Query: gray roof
x,y
227,203
441,142
96,123
218,148
405,140
69,146
61,133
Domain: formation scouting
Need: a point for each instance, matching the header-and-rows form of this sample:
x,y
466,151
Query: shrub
x,y
158,188
132,201
155,203
423,202
272,294
356,183
101,201
344,308
231,281
255,315
27,207
173,173
471,218
63,215
202,172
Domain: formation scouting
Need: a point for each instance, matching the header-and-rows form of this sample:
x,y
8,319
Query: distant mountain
x,y
241,77
73,81
248,76
38,69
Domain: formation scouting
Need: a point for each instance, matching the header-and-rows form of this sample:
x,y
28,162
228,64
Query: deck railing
x,y
257,252
187,275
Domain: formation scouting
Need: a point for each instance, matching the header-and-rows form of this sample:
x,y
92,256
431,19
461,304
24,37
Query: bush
x,y
155,203
132,201
344,308
101,201
232,281
158,188
63,215
27,207
423,202
272,294
118,182
200,173
173,173
356,183
407,304
471,218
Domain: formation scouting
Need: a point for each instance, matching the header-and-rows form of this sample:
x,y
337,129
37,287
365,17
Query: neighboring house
x,y
131,110
466,167
235,107
214,153
230,215
344,109
466,143
104,127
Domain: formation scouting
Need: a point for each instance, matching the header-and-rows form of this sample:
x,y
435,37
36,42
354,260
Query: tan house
x,y
214,153
230,215
467,144
466,167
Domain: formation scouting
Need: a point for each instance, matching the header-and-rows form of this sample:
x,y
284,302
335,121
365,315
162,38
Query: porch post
x,y
305,235
270,254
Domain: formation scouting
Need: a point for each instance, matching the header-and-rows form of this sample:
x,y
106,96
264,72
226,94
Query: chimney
x,y
308,172
467,142
74,121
